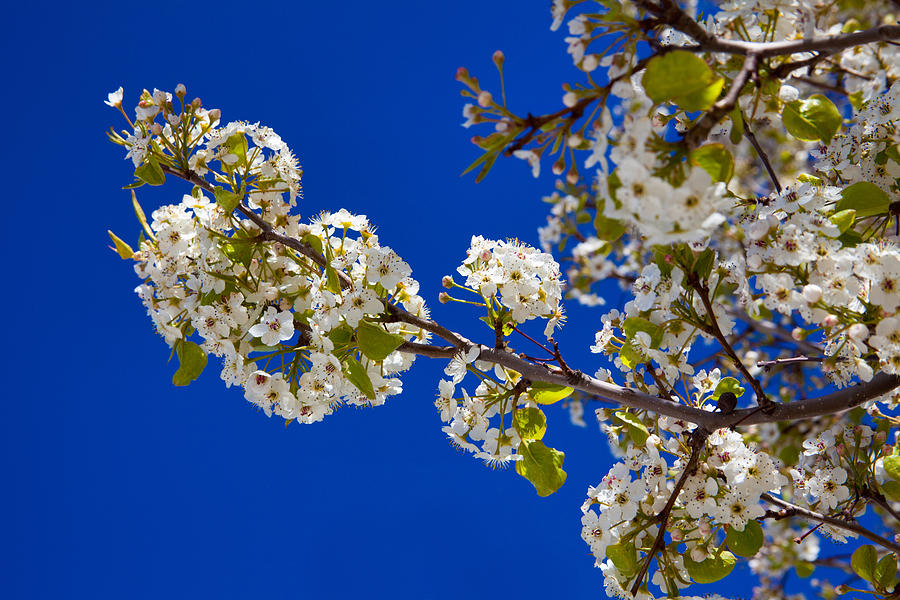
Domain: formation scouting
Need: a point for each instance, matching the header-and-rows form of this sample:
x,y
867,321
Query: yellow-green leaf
x,y
530,423
863,562
193,361
867,199
356,374
844,219
542,466
715,159
727,384
376,343
636,430
227,199
681,77
737,125
150,172
891,489
142,218
122,248
608,230
624,556
745,543
548,393
712,569
804,569
886,571
892,466
816,118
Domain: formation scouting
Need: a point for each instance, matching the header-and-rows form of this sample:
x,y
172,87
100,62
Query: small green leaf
x,y
150,172
867,199
844,219
745,543
193,361
886,571
891,489
863,562
892,467
727,384
122,248
816,118
804,569
142,218
341,336
633,325
704,263
542,466
712,569
356,374
683,78
737,125
376,343
624,556
715,159
636,429
608,230
237,145
548,393
227,199
530,423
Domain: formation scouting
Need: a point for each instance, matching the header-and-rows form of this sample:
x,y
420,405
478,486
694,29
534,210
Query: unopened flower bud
x,y
704,527
196,103
830,321
484,99
798,333
499,58
447,281
841,589
788,93
572,176
858,332
677,535
559,166
880,437
698,554
180,90
574,141
156,129
812,293
443,297
887,450
840,449
590,63
215,114
569,99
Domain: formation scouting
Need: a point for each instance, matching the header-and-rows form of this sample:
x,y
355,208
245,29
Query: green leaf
x,y
727,384
863,562
704,263
548,393
683,78
886,571
341,336
376,343
542,466
715,159
134,185
892,467
844,219
745,543
193,361
891,489
636,429
804,569
712,569
227,199
530,423
141,217
816,118
150,172
122,248
737,125
624,556
237,145
356,374
608,230
867,199
633,325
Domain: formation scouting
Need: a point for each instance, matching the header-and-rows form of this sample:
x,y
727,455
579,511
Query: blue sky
x,y
120,485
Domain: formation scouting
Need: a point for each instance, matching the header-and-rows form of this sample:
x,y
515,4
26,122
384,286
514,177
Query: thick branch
x,y
794,510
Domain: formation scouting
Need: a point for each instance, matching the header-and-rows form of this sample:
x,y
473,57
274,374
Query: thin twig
x,y
748,133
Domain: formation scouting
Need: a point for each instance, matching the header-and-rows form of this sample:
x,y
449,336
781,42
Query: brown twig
x,y
751,137
768,364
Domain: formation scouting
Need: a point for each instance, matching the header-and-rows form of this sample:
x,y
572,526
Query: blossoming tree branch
x,y
738,172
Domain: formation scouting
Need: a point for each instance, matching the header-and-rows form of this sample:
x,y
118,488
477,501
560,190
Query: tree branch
x,y
791,510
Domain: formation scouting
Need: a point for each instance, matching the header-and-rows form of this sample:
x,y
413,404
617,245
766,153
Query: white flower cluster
x,y
724,492
523,279
283,333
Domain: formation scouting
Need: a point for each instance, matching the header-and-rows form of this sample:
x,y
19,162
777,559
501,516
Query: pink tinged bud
x,y
197,103
590,63
484,99
840,449
574,141
156,129
841,589
798,333
462,74
559,166
880,437
830,321
698,554
572,176
499,58
887,450
677,535
704,528
443,297
215,114
447,281
569,99
858,332
812,293
180,90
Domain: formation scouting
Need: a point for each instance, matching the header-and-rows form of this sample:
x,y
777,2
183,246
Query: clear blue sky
x,y
119,485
